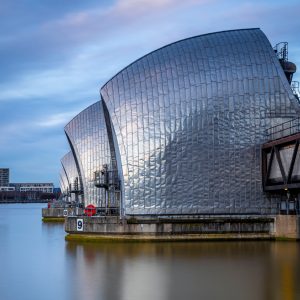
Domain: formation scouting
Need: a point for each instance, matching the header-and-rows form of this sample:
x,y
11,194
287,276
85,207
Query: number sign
x,y
79,224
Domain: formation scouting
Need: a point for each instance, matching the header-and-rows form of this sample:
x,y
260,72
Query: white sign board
x,y
65,212
79,224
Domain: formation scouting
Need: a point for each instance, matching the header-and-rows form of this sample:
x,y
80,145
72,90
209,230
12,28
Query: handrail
x,y
284,129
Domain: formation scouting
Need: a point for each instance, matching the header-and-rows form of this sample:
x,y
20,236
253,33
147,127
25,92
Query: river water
x,y
37,264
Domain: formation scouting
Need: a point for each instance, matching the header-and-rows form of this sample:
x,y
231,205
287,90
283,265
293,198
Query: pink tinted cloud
x,y
123,13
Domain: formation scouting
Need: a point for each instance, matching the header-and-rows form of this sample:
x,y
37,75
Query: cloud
x,y
40,84
89,39
136,8
52,67
59,119
56,55
112,16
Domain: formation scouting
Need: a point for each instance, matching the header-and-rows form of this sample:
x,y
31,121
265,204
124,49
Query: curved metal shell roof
x,y
189,119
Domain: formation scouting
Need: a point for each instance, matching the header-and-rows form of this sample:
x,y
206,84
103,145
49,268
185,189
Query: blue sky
x,y
56,54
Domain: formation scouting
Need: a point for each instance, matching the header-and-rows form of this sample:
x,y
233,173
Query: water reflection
x,y
285,271
248,270
37,263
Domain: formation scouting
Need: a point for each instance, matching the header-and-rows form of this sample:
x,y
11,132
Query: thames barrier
x,y
196,140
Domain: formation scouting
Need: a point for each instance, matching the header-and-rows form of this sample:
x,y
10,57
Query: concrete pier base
x,y
58,214
287,227
178,228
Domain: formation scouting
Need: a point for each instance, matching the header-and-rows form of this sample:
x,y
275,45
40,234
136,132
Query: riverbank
x,y
23,201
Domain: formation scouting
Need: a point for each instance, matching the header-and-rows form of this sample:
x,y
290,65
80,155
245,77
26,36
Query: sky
x,y
56,54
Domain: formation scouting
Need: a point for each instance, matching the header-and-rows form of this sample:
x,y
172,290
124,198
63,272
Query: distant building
x,y
33,187
7,189
25,192
4,177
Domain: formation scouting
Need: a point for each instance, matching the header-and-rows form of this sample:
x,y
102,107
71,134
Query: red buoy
x,y
90,210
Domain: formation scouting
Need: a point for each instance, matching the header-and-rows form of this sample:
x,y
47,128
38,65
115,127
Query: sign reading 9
x,y
79,224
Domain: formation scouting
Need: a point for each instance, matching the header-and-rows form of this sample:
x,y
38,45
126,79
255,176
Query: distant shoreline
x,y
20,201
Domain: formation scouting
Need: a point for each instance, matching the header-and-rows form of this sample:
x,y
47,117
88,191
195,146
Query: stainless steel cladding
x,y
72,178
87,135
189,120
63,183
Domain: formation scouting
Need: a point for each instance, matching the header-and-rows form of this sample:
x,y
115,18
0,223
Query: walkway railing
x,y
284,129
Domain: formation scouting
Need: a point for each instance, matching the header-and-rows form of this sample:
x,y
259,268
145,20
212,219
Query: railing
x,y
281,50
108,211
284,129
75,186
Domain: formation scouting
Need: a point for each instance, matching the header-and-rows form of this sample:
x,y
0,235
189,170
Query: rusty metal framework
x,y
274,157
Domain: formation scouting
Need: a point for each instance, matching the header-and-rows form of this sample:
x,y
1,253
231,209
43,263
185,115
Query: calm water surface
x,y
37,264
